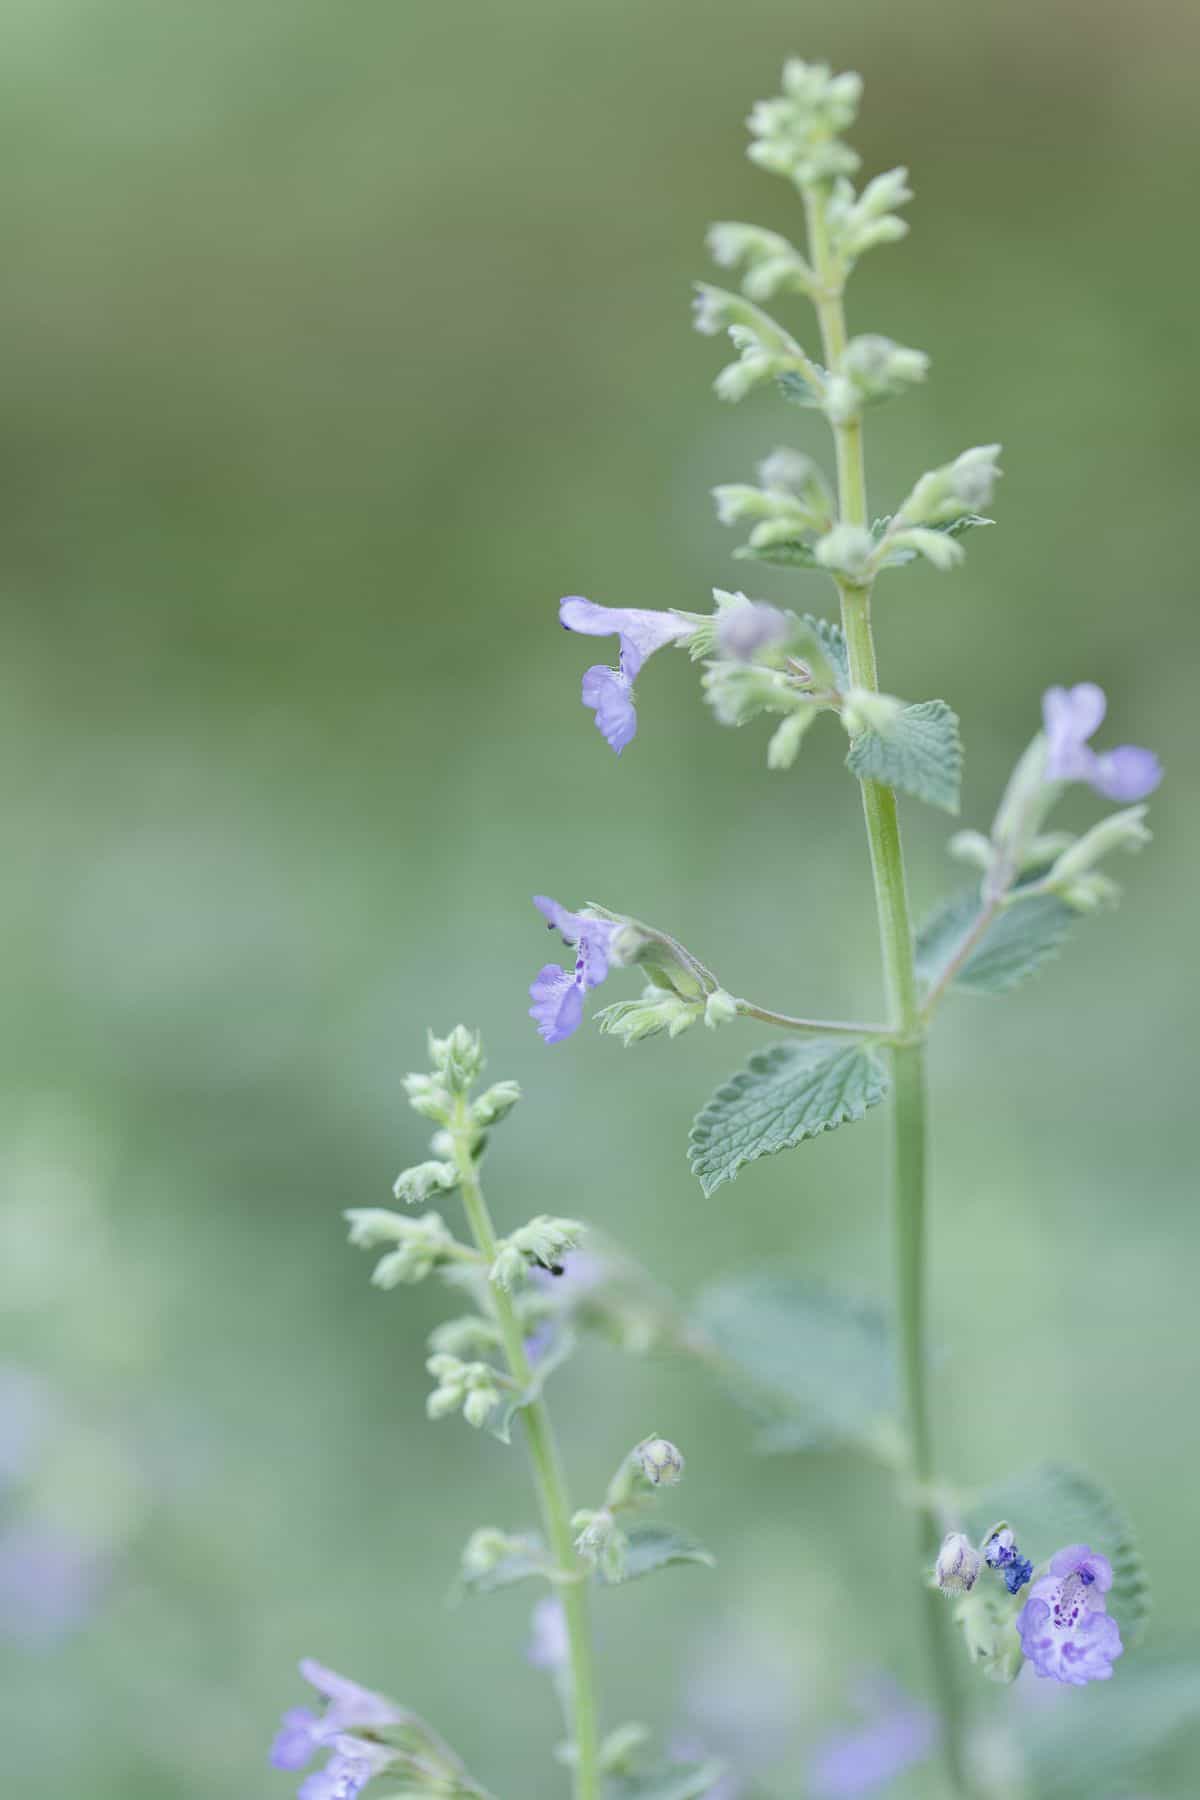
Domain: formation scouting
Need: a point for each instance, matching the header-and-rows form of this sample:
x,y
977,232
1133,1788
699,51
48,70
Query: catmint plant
x,y
1039,1572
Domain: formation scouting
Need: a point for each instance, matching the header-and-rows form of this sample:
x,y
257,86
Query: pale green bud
x,y
846,550
508,1268
720,1009
659,1009
958,1564
937,547
468,1336
595,1532
788,274
623,1749
864,710
963,486
1088,893
443,1401
987,1617
878,367
495,1103
427,1096
1025,802
786,739
424,1244
486,1549
372,1225
737,501
730,243
738,692
458,1058
858,224
1120,831
791,472
417,1185
660,1462
479,1404
972,847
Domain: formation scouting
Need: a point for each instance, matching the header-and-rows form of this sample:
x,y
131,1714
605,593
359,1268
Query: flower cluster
x,y
348,1709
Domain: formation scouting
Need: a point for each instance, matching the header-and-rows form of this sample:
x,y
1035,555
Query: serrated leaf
x,y
786,1094
954,529
795,388
788,555
921,754
669,1781
523,1561
1015,945
814,1367
652,1546
1053,1506
833,642
1111,1732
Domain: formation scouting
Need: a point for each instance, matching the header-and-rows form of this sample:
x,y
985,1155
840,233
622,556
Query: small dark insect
x,y
550,1268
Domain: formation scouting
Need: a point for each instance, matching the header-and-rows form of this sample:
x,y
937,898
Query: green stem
x,y
907,1054
549,1479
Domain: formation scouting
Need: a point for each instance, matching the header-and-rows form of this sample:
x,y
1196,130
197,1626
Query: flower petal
x,y
557,1008
1126,773
609,693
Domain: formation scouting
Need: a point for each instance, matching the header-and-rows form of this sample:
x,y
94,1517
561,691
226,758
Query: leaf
x,y
788,1093
1015,945
1053,1506
669,1781
652,1545
527,1558
814,1366
795,388
791,554
1111,1732
833,642
920,753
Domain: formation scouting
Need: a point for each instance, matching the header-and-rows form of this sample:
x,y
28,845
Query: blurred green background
x,y
338,342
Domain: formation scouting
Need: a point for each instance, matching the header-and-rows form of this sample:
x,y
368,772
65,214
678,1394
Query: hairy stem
x,y
908,1052
548,1478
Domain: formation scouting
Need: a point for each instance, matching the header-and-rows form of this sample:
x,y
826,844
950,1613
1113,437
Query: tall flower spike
x,y
557,993
1065,1628
1072,716
609,692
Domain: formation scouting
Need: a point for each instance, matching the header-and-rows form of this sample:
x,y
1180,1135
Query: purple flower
x,y
347,1772
1001,1552
557,993
548,1647
1071,717
303,1733
609,692
1065,1628
852,1763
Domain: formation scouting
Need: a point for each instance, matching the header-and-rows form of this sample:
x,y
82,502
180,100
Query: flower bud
x,y
720,1009
865,710
478,1405
508,1268
661,1463
972,847
459,1057
958,1564
371,1226
427,1096
495,1103
1120,831
963,486
659,1009
417,1185
744,631
846,550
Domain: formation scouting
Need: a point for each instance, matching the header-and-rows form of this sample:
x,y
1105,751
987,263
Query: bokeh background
x,y
337,343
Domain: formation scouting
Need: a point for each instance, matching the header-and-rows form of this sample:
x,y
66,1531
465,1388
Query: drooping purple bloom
x,y
557,993
609,692
1071,717
896,1735
346,1774
1065,1628
1001,1552
349,1707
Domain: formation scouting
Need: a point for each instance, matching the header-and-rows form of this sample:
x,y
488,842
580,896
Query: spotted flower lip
x,y
1065,1628
609,692
557,993
302,1732
1071,717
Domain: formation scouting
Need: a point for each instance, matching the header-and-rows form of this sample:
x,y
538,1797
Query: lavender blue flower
x,y
557,993
1073,715
1065,1628
1002,1553
609,692
349,1707
548,1647
896,1735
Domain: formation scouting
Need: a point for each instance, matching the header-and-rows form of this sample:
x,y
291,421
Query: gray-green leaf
x,y
527,1558
788,1093
652,1545
1113,1730
794,387
813,1366
1052,1506
1018,941
921,753
791,554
